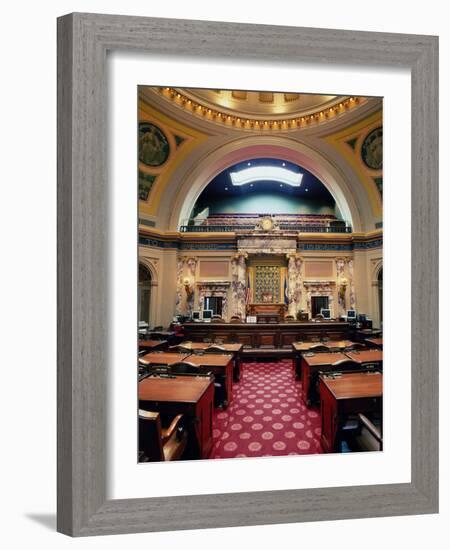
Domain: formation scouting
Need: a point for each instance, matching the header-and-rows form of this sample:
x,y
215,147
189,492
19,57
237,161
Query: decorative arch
x,y
154,291
243,149
377,292
146,262
378,266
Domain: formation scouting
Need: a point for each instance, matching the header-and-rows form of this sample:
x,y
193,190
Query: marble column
x,y
191,264
341,285
238,284
179,295
294,283
351,281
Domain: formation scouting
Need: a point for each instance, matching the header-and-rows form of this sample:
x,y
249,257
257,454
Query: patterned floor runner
x,y
267,416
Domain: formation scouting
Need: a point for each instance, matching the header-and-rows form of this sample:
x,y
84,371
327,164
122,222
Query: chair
x,y
184,367
289,319
319,316
371,429
217,319
235,319
360,433
158,369
143,376
346,365
215,348
319,348
356,346
373,366
157,444
197,351
334,350
180,348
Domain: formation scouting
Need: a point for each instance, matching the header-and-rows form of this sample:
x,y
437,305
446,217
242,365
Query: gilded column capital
x,y
294,255
240,254
190,259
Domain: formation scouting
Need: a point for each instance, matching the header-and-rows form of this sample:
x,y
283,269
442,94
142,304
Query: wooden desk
x,y
375,342
267,312
311,365
235,349
366,356
350,393
191,396
221,365
169,335
257,334
163,358
152,344
302,347
306,346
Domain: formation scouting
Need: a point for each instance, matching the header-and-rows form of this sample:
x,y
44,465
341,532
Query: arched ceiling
x,y
201,144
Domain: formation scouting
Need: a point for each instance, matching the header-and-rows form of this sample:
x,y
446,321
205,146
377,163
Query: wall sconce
x,y
188,287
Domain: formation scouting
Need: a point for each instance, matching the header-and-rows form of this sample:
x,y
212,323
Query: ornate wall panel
x,y
213,268
319,269
267,283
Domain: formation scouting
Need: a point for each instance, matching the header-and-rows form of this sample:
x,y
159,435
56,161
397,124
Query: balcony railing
x,y
283,227
214,228
316,228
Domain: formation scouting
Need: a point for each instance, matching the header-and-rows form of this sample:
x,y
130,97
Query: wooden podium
x,y
267,312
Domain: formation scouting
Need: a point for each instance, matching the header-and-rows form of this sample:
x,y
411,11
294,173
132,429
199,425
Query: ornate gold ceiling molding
x,y
267,124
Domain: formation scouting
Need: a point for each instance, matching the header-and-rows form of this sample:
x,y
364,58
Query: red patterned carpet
x,y
267,416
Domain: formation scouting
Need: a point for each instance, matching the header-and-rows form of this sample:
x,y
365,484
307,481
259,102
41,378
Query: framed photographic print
x,y
247,281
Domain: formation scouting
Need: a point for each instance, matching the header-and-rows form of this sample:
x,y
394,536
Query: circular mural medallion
x,y
372,149
153,145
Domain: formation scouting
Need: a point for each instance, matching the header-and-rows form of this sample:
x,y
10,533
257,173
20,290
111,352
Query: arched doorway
x,y
380,294
144,293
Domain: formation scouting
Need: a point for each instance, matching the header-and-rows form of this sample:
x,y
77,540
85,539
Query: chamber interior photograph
x,y
260,274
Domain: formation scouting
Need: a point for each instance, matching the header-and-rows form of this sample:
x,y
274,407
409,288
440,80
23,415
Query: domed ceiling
x,y
262,104
262,110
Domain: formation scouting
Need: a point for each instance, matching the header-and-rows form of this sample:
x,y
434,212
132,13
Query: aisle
x,y
267,416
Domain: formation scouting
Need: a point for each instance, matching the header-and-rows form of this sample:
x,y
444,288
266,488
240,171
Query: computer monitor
x,y
351,315
207,314
196,316
326,313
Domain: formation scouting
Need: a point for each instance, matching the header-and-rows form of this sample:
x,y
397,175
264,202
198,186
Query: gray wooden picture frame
x,y
83,42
